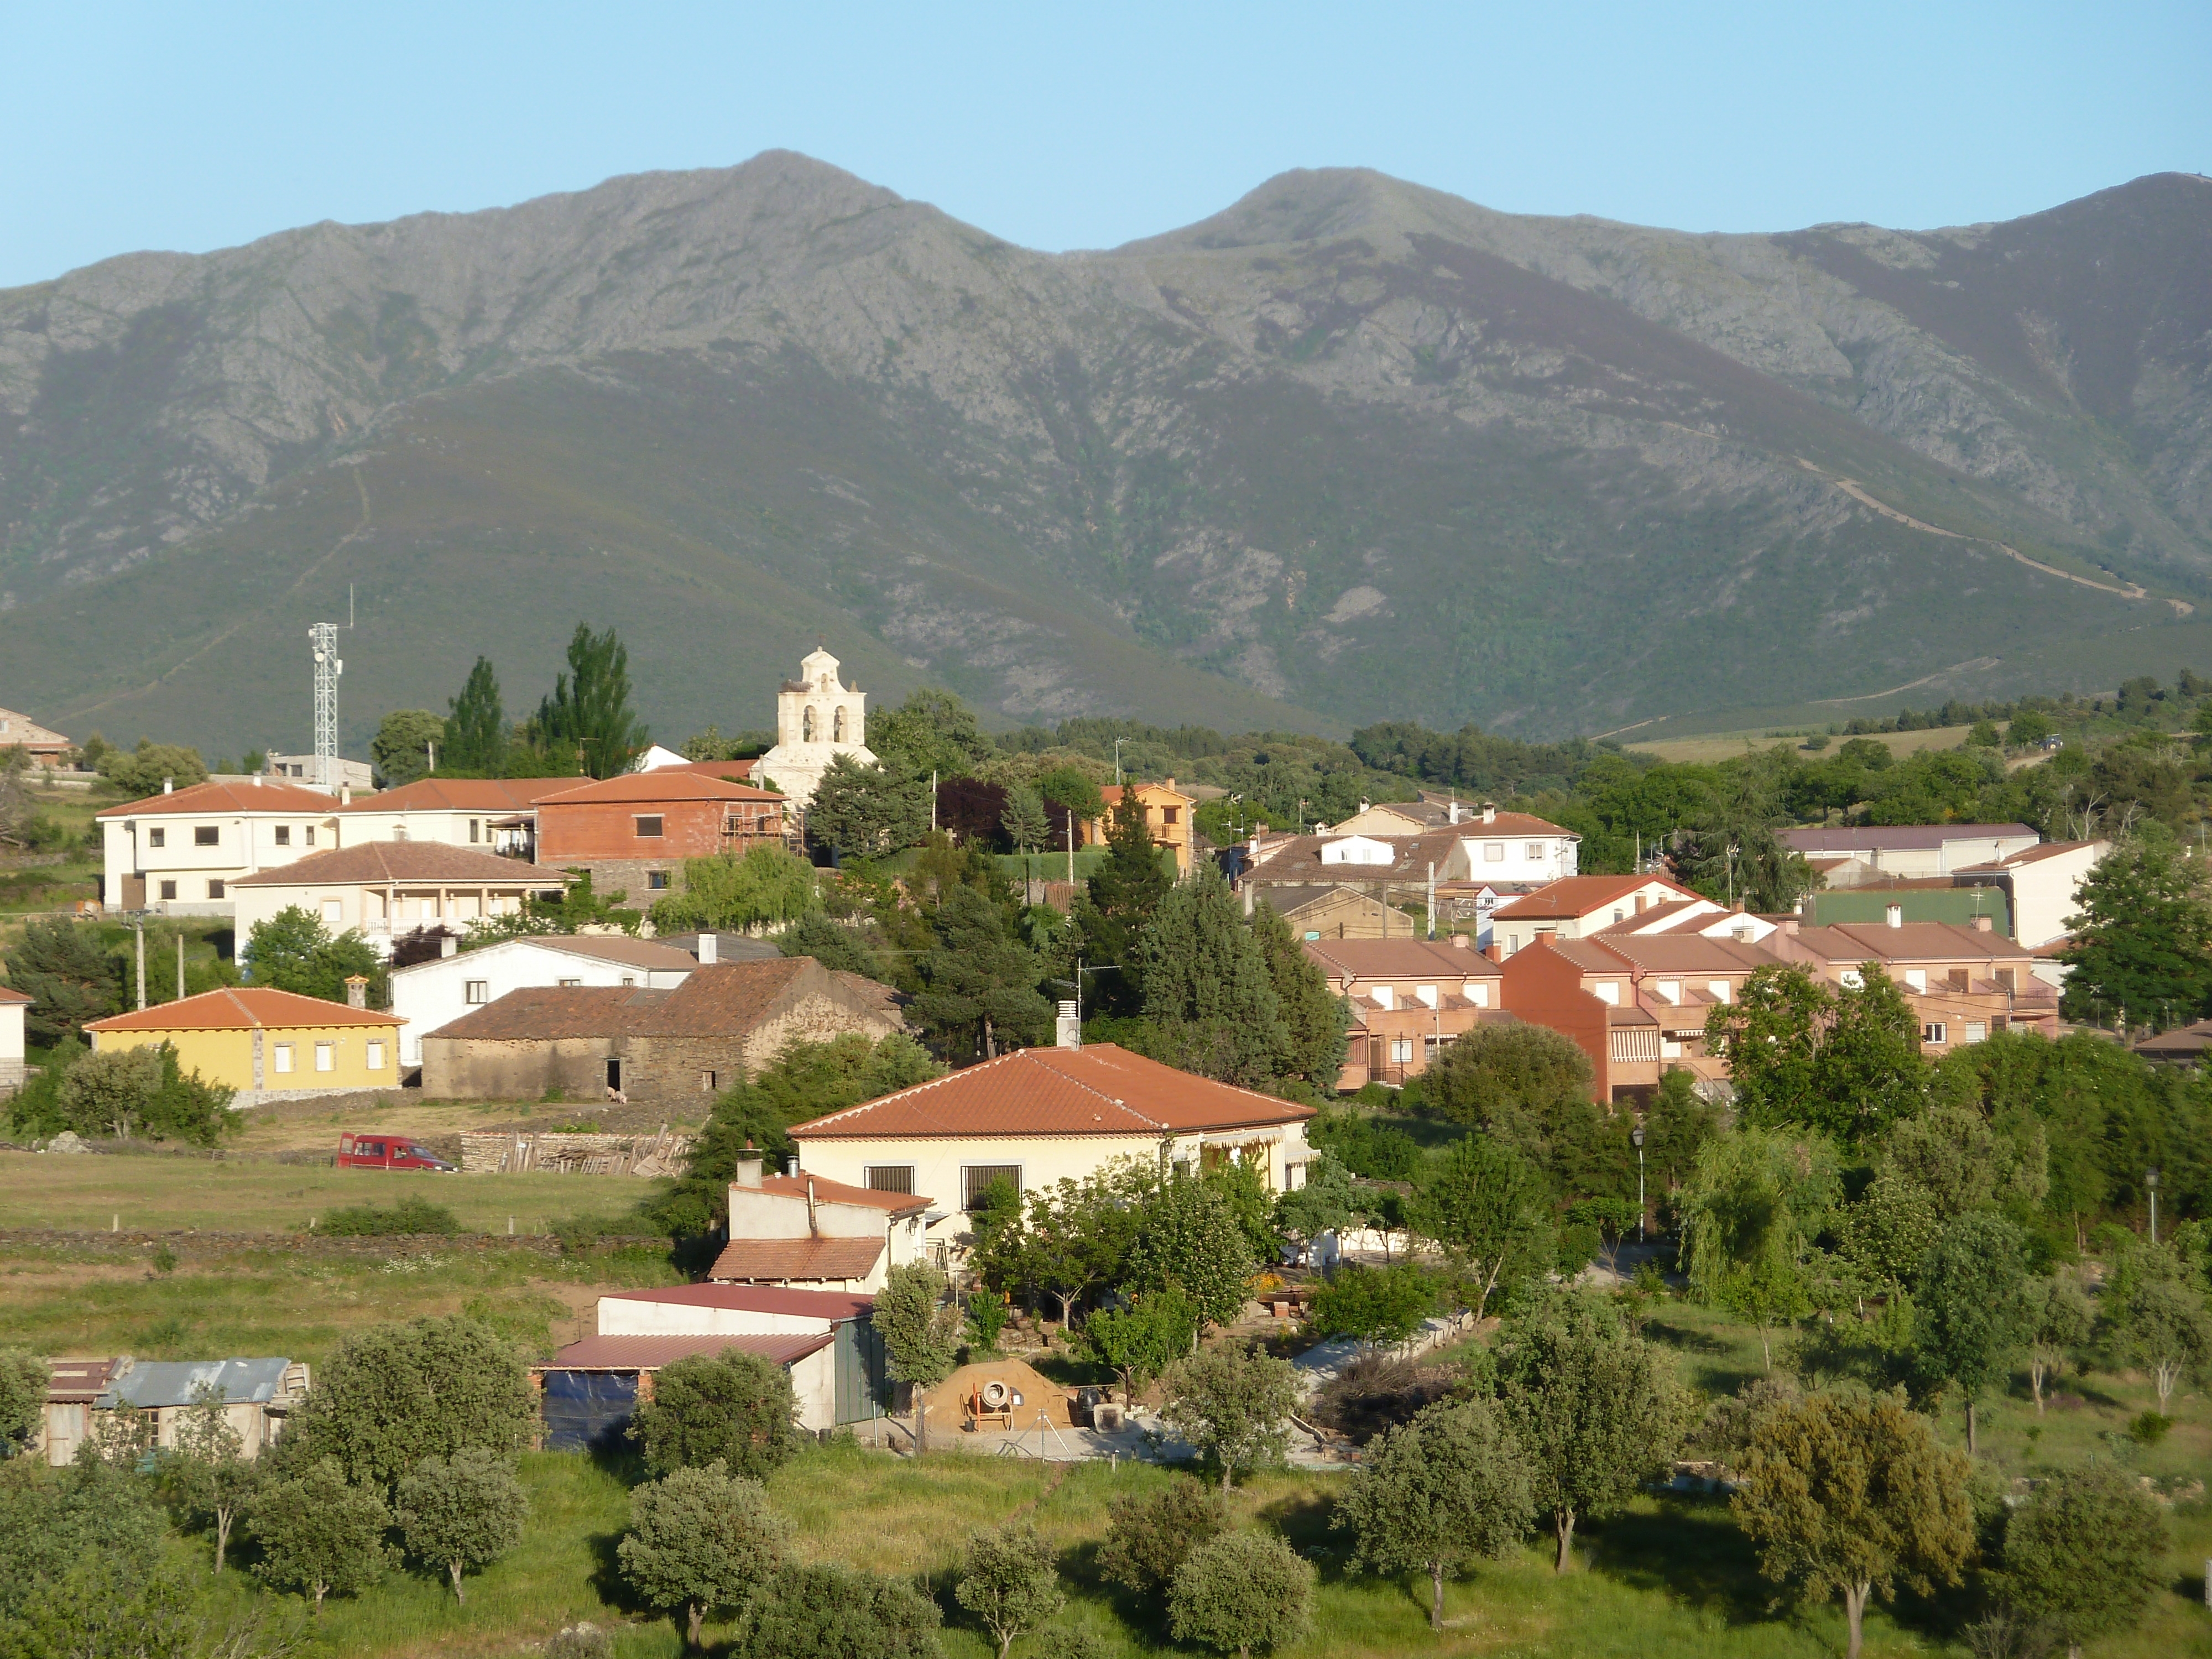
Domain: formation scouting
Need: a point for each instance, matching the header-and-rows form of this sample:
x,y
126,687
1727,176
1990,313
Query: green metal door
x,y
862,1386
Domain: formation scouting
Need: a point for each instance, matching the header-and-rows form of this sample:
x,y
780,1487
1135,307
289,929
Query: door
x,y
862,1384
614,1075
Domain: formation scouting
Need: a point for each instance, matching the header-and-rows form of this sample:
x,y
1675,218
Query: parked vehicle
x,y
370,1151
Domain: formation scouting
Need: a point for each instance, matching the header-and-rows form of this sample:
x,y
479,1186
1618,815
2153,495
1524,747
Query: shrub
x,y
1009,1583
464,1513
1150,1534
318,1535
411,1215
1240,1591
1382,1307
2148,1428
824,1612
734,1408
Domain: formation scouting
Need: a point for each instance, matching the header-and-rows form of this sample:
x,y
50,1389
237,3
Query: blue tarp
x,y
588,1411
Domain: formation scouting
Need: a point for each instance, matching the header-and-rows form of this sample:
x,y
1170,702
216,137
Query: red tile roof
x,y
1100,1089
462,795
755,1299
9,994
736,771
650,1354
1915,941
672,783
374,862
1686,953
242,1008
1891,837
827,1191
774,1261
718,999
211,797
1578,896
1399,958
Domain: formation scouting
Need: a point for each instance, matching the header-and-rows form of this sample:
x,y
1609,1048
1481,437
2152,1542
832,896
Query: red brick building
x,y
633,832
1409,999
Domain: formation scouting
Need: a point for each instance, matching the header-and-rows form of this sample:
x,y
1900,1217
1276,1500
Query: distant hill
x,y
1349,449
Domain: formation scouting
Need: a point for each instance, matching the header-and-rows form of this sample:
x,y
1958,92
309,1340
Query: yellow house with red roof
x,y
1167,814
265,1044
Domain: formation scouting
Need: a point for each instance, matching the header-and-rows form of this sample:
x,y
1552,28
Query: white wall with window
x,y
432,994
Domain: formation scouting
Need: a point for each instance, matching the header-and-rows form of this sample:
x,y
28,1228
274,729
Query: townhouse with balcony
x,y
1964,983
1578,905
1410,999
384,889
1167,814
491,815
181,852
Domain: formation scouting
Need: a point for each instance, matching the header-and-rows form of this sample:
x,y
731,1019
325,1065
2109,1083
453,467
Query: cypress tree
x,y
590,710
476,724
1206,984
1119,901
1314,1015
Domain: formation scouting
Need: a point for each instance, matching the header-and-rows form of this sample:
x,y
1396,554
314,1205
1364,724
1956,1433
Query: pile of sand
x,y
948,1402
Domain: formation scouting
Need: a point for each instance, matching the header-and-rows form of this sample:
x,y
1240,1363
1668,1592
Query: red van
x,y
388,1152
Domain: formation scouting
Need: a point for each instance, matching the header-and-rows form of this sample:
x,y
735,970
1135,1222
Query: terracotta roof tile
x,y
773,1261
376,861
1100,1089
1577,896
755,1299
9,994
1399,958
837,1192
650,1354
242,1007
1687,953
212,796
672,783
462,795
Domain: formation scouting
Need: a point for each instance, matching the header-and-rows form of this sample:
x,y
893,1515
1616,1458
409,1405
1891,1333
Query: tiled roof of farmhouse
x,y
373,862
650,1354
212,796
1100,1089
717,999
773,1261
239,1008
462,795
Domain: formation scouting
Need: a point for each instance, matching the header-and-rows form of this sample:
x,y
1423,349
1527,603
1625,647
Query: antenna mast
x,y
323,637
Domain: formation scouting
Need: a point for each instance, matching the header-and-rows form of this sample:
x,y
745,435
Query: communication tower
x,y
324,638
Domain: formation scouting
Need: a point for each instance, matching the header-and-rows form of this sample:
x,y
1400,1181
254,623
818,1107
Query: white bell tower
x,y
817,717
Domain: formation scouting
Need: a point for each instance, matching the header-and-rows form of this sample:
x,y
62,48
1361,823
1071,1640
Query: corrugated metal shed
x,y
151,1384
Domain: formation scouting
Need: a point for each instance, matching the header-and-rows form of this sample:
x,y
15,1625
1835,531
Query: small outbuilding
x,y
257,1395
590,1390
810,1231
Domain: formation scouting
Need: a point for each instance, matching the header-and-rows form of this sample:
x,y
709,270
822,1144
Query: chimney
x,y
1490,812
1643,901
1789,926
356,991
709,950
1982,924
1067,1029
257,780
449,946
1737,906
1462,942
169,785
1363,802
345,794
749,1166
1894,915
1172,783
1454,816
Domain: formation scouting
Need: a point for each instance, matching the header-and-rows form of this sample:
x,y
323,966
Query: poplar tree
x,y
476,724
589,710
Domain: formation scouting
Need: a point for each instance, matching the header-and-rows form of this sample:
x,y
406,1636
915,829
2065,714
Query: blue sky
x,y
195,127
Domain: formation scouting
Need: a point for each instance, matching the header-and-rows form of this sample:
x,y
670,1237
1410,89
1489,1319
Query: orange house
x,y
1167,815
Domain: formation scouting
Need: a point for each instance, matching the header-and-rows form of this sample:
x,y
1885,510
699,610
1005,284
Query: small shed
x,y
257,1394
589,1389
853,1387
74,1388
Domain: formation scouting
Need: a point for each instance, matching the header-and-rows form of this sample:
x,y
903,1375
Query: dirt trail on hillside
x,y
1857,492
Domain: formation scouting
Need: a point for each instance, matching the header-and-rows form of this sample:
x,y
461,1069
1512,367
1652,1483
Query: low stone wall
x,y
492,1152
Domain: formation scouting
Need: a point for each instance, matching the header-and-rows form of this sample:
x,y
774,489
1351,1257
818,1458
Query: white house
x,y
2041,883
385,887
1912,849
493,815
817,717
1039,1116
810,1231
1493,846
181,851
431,995
12,1005
1577,905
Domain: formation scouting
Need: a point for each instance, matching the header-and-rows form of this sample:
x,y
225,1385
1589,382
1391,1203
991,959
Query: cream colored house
x,y
181,852
12,1005
491,815
809,1231
1912,850
1038,1116
2041,883
386,888
1581,905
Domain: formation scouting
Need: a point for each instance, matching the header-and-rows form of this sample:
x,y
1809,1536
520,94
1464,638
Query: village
x,y
793,1115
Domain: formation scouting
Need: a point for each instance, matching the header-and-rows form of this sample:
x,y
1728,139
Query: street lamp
x,y
2150,1180
1636,1138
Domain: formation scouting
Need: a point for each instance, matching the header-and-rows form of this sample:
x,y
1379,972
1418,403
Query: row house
x,y
1964,983
1579,905
1408,999
633,833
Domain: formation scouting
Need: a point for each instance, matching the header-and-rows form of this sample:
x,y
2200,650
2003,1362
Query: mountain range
x,y
1350,450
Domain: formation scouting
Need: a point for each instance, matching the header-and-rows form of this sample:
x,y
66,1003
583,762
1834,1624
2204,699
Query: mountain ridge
x,y
1350,447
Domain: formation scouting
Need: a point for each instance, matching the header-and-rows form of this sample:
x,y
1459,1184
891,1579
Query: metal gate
x,y
863,1386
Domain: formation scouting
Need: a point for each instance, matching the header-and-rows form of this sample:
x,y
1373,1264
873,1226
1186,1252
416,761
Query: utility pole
x,y
1118,742
180,966
1071,847
1432,899
138,926
1636,1135
932,800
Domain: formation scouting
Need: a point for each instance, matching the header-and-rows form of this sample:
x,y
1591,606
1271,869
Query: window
x,y
1607,991
1533,852
157,838
1313,937
333,911
657,879
206,835
283,1057
630,979
311,835
1852,980
284,834
706,1078
1670,990
375,1056
168,890
649,826
476,990
837,726
1976,1030
1962,979
1481,996
326,1056
976,1178
1402,1050
1493,852
1171,815
214,889
567,984
1916,979
1717,989
475,827
2006,980
889,1177
1934,1033
806,726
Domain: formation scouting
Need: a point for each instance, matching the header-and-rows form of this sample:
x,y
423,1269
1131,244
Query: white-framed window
x,y
1533,852
326,1056
157,838
476,990
1976,1030
375,1056
1402,1050
1852,980
888,1177
333,911
1479,995
1493,852
1934,1032
1717,989
475,829
1670,990
284,834
283,1057
1607,991
629,980
975,1179
1917,978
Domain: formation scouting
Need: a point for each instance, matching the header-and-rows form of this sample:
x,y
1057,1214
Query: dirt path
x,y
1857,492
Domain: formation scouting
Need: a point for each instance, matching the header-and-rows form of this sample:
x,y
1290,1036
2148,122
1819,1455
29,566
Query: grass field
x,y
1726,745
179,1190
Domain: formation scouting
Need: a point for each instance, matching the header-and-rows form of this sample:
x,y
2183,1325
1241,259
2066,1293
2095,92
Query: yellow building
x,y
1167,815
265,1044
